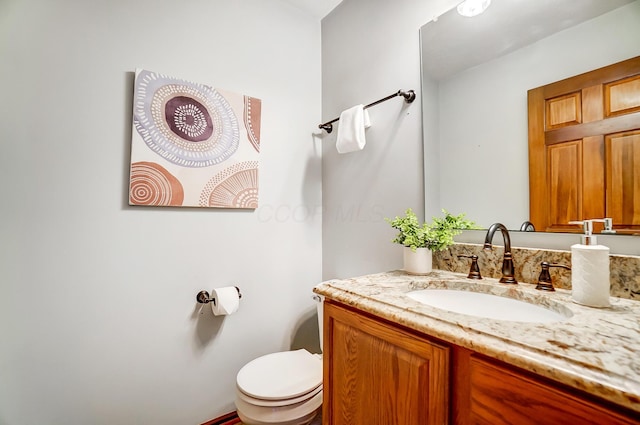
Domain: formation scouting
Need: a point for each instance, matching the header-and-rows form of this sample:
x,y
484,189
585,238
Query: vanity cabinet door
x,y
501,395
378,374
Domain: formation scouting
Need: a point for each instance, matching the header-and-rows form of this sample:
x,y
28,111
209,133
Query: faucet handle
x,y
474,270
544,280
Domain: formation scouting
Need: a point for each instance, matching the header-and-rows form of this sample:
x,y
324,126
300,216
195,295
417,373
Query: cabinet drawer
x,y
501,395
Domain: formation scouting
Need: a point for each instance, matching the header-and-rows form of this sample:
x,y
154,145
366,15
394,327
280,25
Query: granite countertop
x,y
596,350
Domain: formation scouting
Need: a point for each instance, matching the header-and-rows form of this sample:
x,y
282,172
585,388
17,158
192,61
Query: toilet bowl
x,y
283,388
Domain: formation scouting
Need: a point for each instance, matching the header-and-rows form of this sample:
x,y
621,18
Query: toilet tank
x,y
319,299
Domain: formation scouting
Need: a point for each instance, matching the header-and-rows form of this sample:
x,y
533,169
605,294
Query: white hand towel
x,y
353,122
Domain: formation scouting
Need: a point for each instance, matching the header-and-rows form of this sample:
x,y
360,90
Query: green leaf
x,y
437,236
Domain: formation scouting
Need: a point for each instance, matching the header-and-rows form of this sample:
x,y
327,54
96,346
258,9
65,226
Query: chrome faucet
x,y
527,226
507,261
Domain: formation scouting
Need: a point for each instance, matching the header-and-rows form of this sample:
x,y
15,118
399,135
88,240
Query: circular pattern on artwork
x,y
252,114
188,118
188,124
152,184
234,187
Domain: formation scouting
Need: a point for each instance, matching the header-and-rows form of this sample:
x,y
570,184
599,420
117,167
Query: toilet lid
x,y
281,375
278,403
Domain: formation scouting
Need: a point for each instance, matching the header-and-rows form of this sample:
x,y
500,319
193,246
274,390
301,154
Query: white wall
x,y
370,49
98,320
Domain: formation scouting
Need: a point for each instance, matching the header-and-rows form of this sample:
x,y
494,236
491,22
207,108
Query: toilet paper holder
x,y
203,297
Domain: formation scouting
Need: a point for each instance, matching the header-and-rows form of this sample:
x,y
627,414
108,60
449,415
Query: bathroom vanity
x,y
390,359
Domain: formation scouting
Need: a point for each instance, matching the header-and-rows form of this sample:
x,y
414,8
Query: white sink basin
x,y
488,306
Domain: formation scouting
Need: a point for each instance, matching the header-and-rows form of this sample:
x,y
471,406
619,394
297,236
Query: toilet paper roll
x,y
225,300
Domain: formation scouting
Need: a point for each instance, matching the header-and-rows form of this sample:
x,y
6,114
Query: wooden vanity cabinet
x,y
379,374
489,392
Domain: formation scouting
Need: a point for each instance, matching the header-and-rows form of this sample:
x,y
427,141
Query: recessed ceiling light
x,y
471,8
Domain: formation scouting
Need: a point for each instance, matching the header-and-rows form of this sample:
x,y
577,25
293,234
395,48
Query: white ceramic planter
x,y
418,262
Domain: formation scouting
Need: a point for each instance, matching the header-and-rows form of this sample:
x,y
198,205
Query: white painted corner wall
x,y
98,319
370,49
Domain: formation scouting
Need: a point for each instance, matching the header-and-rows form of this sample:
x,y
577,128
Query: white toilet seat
x,y
305,420
277,403
298,413
281,376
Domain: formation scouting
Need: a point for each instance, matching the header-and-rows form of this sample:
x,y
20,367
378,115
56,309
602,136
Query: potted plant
x,y
420,240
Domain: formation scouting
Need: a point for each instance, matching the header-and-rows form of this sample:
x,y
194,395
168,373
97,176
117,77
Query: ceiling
x,y
453,42
318,8
458,46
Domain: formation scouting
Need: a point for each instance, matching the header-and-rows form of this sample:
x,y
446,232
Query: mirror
x,y
475,76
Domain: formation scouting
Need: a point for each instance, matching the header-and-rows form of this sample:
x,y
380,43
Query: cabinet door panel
x,y
564,161
623,178
378,375
564,110
500,396
623,96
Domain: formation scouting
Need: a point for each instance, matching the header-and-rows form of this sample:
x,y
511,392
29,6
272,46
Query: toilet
x,y
283,388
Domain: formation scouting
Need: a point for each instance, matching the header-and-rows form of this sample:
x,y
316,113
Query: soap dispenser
x,y
590,283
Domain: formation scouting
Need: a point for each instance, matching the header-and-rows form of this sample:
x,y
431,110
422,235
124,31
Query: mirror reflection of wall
x,y
475,119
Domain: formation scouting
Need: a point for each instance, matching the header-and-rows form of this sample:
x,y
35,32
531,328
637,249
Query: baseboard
x,y
228,419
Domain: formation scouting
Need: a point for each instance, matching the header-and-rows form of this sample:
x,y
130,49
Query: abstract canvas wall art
x,y
193,145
